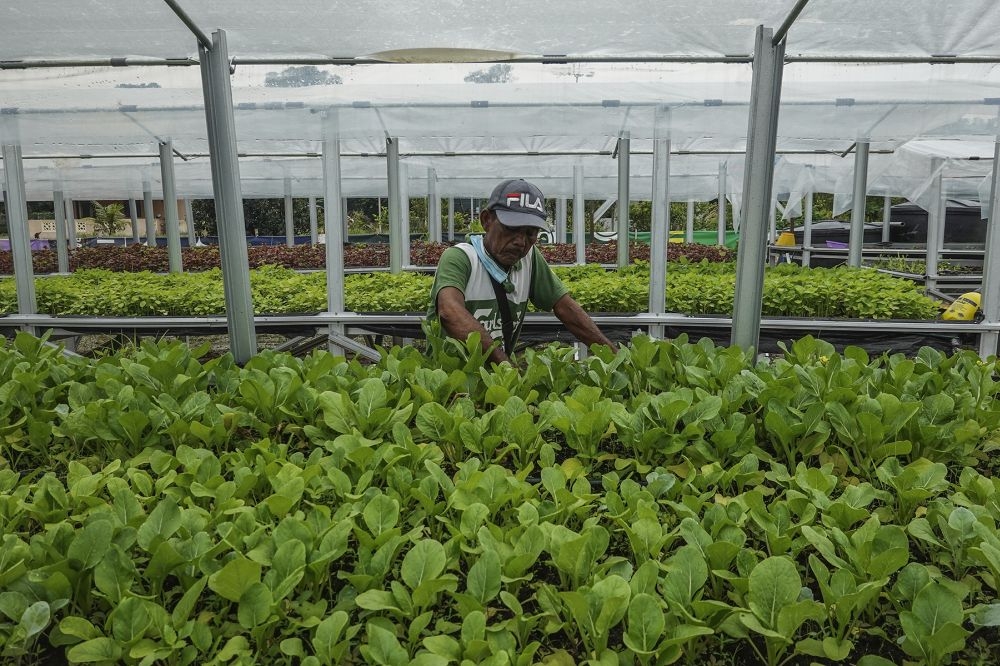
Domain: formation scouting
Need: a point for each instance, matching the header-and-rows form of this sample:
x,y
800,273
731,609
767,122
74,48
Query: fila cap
x,y
518,203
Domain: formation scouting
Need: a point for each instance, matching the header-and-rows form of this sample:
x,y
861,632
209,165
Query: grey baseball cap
x,y
518,203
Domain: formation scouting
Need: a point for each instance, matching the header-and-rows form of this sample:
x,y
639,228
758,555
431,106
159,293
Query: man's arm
x,y
458,323
579,323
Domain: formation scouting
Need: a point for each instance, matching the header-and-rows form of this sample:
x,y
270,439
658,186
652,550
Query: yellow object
x,y
964,307
786,238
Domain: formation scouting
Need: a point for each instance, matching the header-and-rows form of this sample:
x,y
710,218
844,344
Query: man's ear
x,y
486,218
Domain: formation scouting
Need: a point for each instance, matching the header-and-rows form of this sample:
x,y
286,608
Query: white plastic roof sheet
x,y
535,127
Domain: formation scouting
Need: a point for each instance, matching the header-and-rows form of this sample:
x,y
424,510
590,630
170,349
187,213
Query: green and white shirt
x,y
532,278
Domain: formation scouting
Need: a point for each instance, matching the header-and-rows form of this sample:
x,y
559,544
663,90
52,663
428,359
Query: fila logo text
x,y
524,200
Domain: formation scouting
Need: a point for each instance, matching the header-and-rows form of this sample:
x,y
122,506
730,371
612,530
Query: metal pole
x,y
70,224
228,196
289,215
395,217
147,212
189,222
758,177
433,208
451,219
334,232
772,220
990,303
860,200
624,143
17,226
59,209
660,232
720,238
133,209
807,230
170,207
579,232
886,218
404,212
689,223
313,222
935,225
561,220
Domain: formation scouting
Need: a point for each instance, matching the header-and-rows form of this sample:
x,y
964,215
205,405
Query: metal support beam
x,y
133,213
758,177
935,224
787,23
189,222
70,224
228,196
720,237
147,213
579,230
170,207
689,223
886,218
660,232
17,227
203,39
451,219
624,154
433,208
289,215
395,216
404,213
313,222
858,206
772,220
59,211
990,304
807,230
332,192
560,230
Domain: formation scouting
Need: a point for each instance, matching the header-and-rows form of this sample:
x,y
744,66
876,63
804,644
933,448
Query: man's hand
x,y
579,323
458,323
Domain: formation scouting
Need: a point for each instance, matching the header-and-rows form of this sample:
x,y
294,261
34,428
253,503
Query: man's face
x,y
506,244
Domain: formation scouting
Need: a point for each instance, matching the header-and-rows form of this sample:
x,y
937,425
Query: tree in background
x,y
498,73
300,77
108,219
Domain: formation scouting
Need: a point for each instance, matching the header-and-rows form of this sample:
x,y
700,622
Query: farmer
x,y
484,286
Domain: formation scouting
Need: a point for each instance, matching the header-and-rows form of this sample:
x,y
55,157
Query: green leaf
x,y
96,649
381,514
423,562
90,544
35,618
383,647
78,627
255,606
687,573
161,523
484,577
936,605
182,611
234,578
774,583
609,601
645,624
130,620
328,634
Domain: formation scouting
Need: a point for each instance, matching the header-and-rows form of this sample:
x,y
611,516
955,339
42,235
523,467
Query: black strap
x,y
506,319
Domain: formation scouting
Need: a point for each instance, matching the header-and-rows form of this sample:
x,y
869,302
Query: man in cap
x,y
484,286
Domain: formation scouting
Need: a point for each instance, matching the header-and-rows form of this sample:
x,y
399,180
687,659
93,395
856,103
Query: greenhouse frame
x,y
753,99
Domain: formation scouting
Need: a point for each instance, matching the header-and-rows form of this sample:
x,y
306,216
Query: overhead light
x,y
442,55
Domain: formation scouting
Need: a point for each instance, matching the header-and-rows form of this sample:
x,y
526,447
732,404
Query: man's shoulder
x,y
456,254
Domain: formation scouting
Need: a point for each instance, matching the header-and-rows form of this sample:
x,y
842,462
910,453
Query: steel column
x,y
289,215
228,196
404,213
990,303
660,232
70,224
170,207
758,177
333,215
189,222
313,222
720,237
133,210
886,218
624,154
451,219
17,227
147,212
807,230
433,208
579,230
689,223
935,224
59,211
858,206
395,216
560,220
